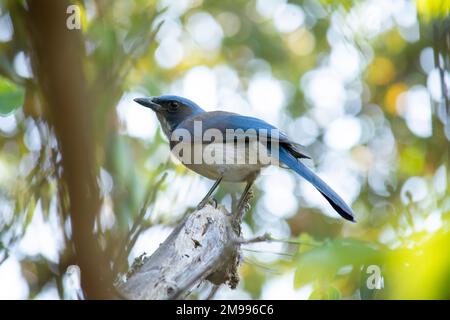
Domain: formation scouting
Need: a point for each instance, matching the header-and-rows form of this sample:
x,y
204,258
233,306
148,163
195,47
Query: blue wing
x,y
227,120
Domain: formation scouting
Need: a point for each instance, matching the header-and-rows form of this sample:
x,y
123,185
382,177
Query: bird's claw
x,y
204,202
213,202
245,207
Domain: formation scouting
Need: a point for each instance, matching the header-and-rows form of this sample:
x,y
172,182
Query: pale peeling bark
x,y
206,245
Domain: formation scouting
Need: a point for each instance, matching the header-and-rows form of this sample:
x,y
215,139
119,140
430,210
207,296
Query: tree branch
x,y
205,246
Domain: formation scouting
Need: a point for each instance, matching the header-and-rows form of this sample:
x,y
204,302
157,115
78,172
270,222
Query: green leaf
x,y
11,96
325,293
333,293
316,295
322,263
429,10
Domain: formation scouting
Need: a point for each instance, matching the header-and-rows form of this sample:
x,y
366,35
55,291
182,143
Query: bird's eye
x,y
173,105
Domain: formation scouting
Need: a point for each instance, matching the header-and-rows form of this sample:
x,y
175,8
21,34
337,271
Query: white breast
x,y
235,162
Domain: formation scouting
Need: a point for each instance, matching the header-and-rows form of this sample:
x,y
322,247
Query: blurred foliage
x,y
431,10
11,96
402,202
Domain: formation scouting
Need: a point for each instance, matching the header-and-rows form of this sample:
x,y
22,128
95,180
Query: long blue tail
x,y
332,197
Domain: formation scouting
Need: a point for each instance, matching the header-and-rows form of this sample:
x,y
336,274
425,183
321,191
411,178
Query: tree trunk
x,y
57,56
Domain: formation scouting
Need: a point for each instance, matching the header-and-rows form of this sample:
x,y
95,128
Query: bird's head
x,y
170,110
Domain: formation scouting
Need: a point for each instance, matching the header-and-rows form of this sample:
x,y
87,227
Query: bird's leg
x,y
208,195
213,292
243,199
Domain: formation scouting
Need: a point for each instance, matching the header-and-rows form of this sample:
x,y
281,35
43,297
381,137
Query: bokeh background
x,y
363,85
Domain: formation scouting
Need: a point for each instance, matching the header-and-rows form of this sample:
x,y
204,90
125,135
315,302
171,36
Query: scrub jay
x,y
180,119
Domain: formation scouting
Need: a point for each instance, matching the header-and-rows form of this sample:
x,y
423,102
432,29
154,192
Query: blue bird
x,y
235,136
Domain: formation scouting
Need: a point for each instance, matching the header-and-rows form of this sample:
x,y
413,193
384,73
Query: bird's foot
x,y
212,201
241,210
244,205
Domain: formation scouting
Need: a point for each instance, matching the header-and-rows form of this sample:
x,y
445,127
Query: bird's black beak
x,y
149,103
